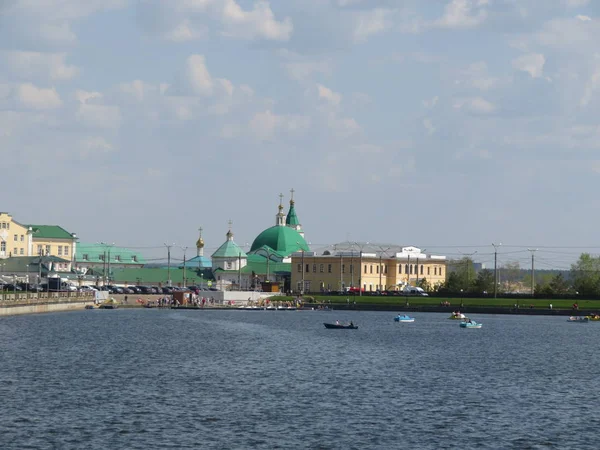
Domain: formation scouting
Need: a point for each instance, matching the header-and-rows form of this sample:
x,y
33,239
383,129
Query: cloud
x,y
532,63
428,124
265,125
259,22
198,75
302,68
99,116
186,31
475,105
372,22
31,97
583,18
32,65
333,98
463,14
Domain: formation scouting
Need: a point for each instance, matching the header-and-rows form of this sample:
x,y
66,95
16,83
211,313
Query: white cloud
x,y
84,96
583,18
94,145
591,86
328,95
372,22
428,124
40,65
475,105
264,125
463,14
575,3
32,97
198,75
259,22
532,63
137,89
186,31
99,116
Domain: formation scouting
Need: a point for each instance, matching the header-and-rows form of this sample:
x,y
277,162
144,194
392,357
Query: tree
x,y
585,274
484,282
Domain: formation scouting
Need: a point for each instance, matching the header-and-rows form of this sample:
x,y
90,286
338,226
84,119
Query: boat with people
x,y
404,318
457,315
469,323
341,326
578,319
594,317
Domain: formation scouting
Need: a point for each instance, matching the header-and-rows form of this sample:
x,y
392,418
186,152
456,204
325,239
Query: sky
x,y
445,124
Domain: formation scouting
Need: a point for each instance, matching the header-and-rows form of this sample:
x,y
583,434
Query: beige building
x,y
18,239
373,270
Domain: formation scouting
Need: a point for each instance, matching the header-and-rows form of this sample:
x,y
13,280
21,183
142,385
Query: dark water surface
x,y
154,379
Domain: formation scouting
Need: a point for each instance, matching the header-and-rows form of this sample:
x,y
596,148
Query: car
x,y
86,288
134,289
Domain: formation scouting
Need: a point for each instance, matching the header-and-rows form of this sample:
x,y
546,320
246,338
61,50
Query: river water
x,y
159,379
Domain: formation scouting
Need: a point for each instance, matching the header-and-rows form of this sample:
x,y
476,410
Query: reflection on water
x,y
278,379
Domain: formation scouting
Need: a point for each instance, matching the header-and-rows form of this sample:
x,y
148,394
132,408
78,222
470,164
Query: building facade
x,y
15,238
371,270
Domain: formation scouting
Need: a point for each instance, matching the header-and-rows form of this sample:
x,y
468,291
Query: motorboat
x,y
593,317
457,315
470,324
404,318
578,319
341,326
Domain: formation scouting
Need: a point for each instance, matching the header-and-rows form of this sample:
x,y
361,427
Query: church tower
x,y
200,244
280,217
292,219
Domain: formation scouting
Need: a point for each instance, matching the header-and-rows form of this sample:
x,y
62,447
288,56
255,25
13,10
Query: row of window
x,y
17,238
45,250
5,225
408,269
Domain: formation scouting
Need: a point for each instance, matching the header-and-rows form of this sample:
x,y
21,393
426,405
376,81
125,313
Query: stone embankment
x,y
42,302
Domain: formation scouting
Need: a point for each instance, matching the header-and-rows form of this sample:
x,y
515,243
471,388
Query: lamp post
x,y
418,254
382,251
169,262
496,268
360,270
184,250
106,265
532,250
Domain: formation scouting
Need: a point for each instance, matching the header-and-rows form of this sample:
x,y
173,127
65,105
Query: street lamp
x,y
496,268
184,250
418,254
169,262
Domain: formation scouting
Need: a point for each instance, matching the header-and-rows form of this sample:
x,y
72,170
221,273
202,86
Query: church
x,y
267,265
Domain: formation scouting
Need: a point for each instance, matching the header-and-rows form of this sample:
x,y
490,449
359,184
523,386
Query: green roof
x,y
292,218
118,255
229,250
18,264
258,265
283,240
50,232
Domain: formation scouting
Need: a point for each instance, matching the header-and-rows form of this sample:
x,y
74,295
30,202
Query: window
x,y
343,268
60,250
85,256
16,237
314,268
328,268
22,251
365,268
299,268
307,268
47,249
66,251
3,246
410,269
39,249
22,238
399,268
440,271
435,270
428,270
300,284
101,257
117,258
134,258
385,269
421,269
3,225
351,268
228,264
16,252
321,268
371,268
377,270
406,269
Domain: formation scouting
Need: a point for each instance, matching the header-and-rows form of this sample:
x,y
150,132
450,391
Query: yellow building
x,y
15,238
373,270
18,239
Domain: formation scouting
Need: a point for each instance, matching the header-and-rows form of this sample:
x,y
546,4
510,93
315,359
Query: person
x,y
125,299
337,322
550,305
351,324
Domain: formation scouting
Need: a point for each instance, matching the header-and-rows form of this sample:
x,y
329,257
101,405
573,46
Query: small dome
x,y
200,243
283,240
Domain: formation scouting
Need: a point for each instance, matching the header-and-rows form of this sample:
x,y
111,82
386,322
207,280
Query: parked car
x,y
86,288
145,289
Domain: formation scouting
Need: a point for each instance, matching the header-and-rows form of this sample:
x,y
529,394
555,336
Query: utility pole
x,y
469,256
302,290
169,262
184,250
418,254
532,250
360,269
496,268
106,262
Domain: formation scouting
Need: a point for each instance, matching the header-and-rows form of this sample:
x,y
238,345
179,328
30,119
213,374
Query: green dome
x,y
283,240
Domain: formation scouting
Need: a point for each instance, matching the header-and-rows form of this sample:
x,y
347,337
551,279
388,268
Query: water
x,y
159,379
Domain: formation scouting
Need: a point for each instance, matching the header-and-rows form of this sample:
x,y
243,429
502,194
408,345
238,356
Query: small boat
x,y
89,307
470,324
341,326
578,319
404,318
458,316
594,317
